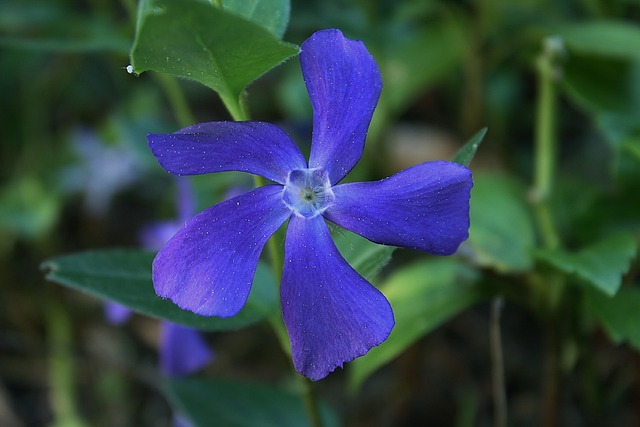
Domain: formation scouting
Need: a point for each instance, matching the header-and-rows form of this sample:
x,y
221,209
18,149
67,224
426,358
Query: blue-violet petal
x,y
255,147
208,265
425,207
332,314
344,85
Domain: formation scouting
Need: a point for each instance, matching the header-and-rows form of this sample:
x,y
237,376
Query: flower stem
x,y
545,151
61,367
237,106
497,363
310,401
545,164
551,376
176,98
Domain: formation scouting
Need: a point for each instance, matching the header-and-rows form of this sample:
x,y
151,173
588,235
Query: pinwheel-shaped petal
x,y
332,314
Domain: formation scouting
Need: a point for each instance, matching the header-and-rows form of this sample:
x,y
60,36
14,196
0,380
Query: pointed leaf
x,y
468,150
366,257
423,295
124,276
601,265
270,14
226,403
195,40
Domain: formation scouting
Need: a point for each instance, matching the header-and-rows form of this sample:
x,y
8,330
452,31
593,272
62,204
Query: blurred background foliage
x,y
75,173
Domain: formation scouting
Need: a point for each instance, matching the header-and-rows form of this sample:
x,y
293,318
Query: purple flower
x,y
102,171
182,350
153,236
116,314
332,314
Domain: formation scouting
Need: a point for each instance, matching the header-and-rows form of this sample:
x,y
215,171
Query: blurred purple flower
x,y
103,170
182,350
153,236
115,313
332,314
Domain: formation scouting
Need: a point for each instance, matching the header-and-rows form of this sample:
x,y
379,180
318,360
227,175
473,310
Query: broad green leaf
x,y
366,257
623,134
270,14
631,147
226,403
423,295
617,129
603,38
604,85
195,40
601,265
468,150
611,213
501,233
619,315
124,276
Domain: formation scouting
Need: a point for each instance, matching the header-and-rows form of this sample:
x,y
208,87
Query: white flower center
x,y
308,192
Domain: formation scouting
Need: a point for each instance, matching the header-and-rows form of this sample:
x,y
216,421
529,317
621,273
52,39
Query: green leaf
x,y
604,38
619,315
631,147
366,257
270,14
195,40
501,233
622,132
604,85
601,265
468,150
226,403
423,295
124,276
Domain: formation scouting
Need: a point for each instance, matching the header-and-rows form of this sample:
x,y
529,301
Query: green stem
x,y
310,401
61,367
176,98
551,376
545,165
545,151
497,365
237,106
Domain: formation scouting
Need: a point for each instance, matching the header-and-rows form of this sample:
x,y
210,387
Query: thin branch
x,y
497,365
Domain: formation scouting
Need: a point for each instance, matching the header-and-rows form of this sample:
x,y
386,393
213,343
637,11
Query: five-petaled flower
x,y
332,314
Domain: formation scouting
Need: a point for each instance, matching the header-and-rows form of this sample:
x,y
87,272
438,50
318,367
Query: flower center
x,y
307,192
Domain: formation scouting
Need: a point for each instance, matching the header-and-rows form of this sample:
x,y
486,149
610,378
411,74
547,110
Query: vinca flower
x,y
332,314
